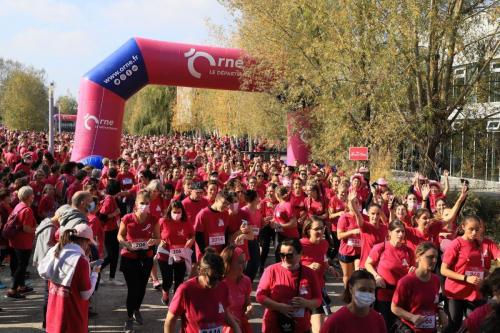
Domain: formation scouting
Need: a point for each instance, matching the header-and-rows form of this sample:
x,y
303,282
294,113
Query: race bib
x,y
211,330
354,242
216,239
255,230
475,271
429,322
139,245
127,181
303,290
278,214
177,252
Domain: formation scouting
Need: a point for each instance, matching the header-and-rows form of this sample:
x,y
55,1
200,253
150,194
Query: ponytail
x,y
68,236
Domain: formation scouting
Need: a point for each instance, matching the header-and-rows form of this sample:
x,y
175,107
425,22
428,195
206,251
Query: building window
x,y
459,79
494,81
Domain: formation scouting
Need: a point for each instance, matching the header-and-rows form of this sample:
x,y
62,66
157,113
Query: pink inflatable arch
x,y
105,89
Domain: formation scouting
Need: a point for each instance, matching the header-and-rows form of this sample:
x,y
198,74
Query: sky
x,y
67,38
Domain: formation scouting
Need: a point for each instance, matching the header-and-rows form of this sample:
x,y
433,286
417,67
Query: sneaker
x,y
2,286
164,298
92,314
157,285
114,282
25,290
15,295
129,326
138,317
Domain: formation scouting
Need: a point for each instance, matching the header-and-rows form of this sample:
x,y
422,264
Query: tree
x,y
67,104
149,112
24,101
376,73
234,113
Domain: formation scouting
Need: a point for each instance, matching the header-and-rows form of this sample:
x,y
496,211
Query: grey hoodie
x,y
70,218
45,239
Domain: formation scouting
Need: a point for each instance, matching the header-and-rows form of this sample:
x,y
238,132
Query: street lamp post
x,y
51,118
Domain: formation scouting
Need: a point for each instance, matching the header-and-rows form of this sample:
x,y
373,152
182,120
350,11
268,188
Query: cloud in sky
x,y
68,38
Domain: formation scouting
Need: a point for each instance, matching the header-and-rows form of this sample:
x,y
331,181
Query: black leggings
x,y
384,308
172,273
112,252
136,273
457,309
254,260
266,235
20,266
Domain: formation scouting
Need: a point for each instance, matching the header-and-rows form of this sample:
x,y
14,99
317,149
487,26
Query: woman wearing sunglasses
x,y
202,301
289,291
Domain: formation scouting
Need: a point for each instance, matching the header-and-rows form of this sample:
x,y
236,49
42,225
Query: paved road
x,y
23,316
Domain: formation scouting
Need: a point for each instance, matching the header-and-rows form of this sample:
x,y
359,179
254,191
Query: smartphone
x,y
96,263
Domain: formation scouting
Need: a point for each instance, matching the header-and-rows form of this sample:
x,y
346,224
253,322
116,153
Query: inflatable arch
x,y
105,89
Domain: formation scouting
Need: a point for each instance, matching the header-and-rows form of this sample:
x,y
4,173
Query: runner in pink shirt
x,y
239,286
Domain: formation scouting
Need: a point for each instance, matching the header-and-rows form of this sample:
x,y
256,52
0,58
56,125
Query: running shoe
x,y
138,317
25,290
129,326
114,282
156,285
15,295
164,298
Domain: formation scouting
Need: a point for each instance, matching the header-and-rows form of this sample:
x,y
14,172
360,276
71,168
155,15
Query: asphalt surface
x,y
23,316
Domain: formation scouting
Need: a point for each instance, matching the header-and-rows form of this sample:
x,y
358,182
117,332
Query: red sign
x,y
358,153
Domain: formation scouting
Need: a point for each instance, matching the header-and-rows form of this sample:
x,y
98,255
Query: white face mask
x,y
176,216
364,299
143,208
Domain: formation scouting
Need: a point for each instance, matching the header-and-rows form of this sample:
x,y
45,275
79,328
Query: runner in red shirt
x,y
139,232
348,233
389,262
357,316
48,205
267,233
125,177
314,249
373,231
211,225
253,215
416,298
285,221
336,208
175,249
297,200
195,202
239,287
464,269
109,213
483,318
71,286
426,230
211,189
288,289
22,242
203,301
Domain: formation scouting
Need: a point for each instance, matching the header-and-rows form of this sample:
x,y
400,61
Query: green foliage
x,y
24,101
149,112
67,104
376,73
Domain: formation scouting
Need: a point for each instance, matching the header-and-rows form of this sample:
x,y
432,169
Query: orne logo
x,y
221,63
94,122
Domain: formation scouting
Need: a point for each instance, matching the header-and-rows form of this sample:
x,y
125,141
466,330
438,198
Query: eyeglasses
x,y
288,256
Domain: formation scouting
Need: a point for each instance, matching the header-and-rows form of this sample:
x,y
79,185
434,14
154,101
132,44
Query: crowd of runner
x,y
201,216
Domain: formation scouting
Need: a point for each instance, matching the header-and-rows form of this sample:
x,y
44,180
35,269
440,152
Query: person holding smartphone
x,y
71,281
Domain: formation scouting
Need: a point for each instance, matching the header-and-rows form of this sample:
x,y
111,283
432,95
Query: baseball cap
x,y
84,231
